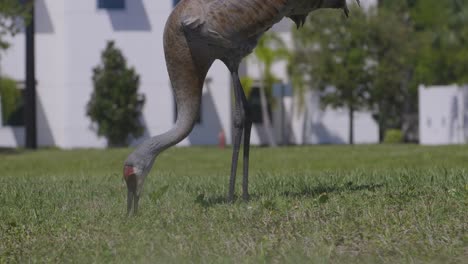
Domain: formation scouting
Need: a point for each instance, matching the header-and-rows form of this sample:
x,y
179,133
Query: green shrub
x,y
11,101
393,136
115,104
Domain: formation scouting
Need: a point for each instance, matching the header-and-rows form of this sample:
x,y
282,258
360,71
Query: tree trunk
x,y
407,103
351,125
30,115
266,118
382,122
264,106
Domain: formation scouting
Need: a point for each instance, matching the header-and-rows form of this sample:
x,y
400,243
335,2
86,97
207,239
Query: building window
x,y
11,103
256,106
111,4
175,2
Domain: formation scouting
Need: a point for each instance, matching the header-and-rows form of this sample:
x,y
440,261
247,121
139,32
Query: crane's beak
x,y
132,201
132,195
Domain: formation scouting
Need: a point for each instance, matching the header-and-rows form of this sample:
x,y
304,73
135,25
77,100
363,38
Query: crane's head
x,y
136,167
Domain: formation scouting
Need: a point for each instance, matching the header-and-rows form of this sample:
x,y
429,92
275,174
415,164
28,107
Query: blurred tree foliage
x,y
11,102
439,53
441,29
392,48
377,58
332,54
115,105
363,62
270,49
12,16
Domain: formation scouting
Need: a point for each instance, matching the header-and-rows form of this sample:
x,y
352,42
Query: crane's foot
x,y
230,199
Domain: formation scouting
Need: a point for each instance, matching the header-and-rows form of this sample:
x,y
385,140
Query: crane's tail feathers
x,y
346,9
299,20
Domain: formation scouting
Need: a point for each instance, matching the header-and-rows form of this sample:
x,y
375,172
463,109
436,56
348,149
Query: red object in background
x,y
221,139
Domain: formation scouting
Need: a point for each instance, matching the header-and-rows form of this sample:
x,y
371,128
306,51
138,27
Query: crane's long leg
x,y
247,130
238,120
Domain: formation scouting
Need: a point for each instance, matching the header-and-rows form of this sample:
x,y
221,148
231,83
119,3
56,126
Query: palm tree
x,y
270,49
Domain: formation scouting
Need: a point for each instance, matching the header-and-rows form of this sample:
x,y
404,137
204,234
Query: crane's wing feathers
x,y
227,22
230,22
192,22
196,27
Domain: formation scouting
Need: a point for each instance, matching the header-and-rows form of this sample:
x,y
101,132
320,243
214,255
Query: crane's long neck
x,y
187,73
187,91
187,113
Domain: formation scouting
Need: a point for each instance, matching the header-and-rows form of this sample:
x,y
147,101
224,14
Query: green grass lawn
x,y
327,204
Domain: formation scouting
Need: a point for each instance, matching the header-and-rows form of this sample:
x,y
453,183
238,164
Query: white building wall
x,y
11,137
70,38
50,57
331,126
139,36
442,115
51,72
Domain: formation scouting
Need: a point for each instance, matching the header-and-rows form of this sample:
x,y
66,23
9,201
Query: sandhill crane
x,y
197,33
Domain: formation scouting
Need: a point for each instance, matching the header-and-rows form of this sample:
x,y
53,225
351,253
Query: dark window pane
x,y
16,118
111,4
256,106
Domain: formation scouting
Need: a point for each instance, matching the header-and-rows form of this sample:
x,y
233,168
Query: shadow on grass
x,y
313,192
211,201
306,192
11,151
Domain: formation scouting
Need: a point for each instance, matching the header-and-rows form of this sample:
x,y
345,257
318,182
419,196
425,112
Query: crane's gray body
x,y
197,33
228,30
